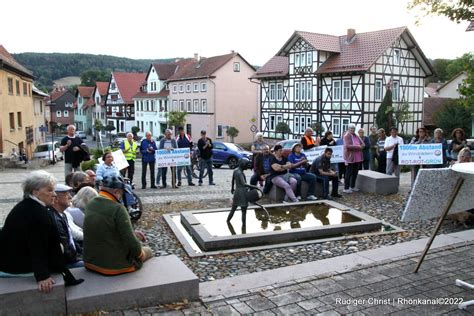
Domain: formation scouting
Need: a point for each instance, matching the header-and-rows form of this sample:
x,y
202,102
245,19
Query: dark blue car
x,y
228,153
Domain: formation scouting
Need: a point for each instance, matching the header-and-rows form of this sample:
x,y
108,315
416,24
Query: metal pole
x,y
455,192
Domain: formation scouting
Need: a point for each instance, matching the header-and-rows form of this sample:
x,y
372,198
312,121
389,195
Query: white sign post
x,y
173,158
337,153
420,154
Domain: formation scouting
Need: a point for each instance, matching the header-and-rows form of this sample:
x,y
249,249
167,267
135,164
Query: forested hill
x,y
51,66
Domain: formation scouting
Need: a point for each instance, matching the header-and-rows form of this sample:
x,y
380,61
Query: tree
x,y
453,115
89,77
176,119
283,128
232,132
402,115
457,11
317,128
110,128
135,130
467,91
384,118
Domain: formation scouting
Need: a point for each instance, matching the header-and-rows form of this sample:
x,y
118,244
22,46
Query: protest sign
x,y
119,160
173,158
420,154
337,153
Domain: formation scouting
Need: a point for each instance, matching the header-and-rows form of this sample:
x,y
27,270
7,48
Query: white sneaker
x,y
311,198
348,191
298,198
355,189
285,199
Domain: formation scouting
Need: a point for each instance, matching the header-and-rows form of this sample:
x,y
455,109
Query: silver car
x,y
44,151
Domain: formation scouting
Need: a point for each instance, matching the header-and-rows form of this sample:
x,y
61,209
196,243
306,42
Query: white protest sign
x,y
119,160
420,154
315,152
173,158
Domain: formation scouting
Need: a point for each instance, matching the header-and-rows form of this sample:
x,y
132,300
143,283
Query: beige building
x,y
16,106
39,102
216,93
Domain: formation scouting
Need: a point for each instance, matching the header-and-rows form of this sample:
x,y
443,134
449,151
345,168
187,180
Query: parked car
x,y
44,151
81,134
287,145
228,153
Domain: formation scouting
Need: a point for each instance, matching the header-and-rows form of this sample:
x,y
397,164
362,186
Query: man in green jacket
x,y
111,246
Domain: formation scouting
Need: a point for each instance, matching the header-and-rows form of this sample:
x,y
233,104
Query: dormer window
x,y
396,57
236,67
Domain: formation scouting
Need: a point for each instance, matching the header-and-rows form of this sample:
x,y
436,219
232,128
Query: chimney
x,y
196,57
232,51
350,34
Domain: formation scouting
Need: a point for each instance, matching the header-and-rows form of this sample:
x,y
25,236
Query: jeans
x,y
130,169
373,157
164,171
325,180
69,169
288,187
365,165
350,177
392,168
152,173
382,161
306,177
189,173
206,163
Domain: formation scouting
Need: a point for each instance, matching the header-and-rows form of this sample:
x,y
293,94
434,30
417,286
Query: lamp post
x,y
53,161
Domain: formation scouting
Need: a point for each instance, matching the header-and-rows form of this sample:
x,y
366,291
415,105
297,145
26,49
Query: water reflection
x,y
280,218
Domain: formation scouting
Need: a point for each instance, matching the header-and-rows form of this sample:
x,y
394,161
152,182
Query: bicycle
x,y
195,165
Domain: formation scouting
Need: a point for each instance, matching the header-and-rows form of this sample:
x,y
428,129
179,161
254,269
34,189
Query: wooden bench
x,y
375,182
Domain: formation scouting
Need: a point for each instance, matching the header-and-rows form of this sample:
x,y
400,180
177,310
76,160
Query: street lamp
x,y
52,160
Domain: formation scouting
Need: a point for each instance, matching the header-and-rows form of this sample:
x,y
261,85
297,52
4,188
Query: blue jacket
x,y
294,158
148,155
366,150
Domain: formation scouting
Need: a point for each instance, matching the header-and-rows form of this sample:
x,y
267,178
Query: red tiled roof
x,y
165,71
145,95
201,69
85,92
90,102
56,94
275,67
430,107
324,42
361,52
128,84
8,59
102,86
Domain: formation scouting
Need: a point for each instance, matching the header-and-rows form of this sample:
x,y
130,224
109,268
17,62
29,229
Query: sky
x,y
256,29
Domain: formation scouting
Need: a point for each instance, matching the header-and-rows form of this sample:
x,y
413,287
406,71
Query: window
x,y
297,91
297,124
196,106
189,106
17,87
29,90
220,131
279,91
203,87
336,126
58,113
204,106
10,86
148,105
66,113
12,121
378,90
175,88
272,92
336,91
309,58
236,67
309,90
346,90
189,129
188,87
396,57
181,105
181,88
297,60
271,126
345,124
112,86
303,91
25,88
153,105
396,91
196,87
175,106
113,97
41,106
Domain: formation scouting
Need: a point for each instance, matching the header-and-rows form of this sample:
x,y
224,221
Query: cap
x,y
116,182
62,188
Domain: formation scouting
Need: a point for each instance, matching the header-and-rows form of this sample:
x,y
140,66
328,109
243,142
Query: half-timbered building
x,y
337,80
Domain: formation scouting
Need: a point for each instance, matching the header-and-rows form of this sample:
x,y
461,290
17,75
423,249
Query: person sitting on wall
x,y
280,176
321,167
111,246
262,169
299,161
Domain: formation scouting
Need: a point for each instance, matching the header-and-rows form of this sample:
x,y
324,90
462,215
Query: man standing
x,y
184,141
169,144
205,154
148,148
307,140
321,166
129,149
373,138
73,154
392,159
111,246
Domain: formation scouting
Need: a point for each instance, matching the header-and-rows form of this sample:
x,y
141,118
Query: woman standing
x,y
421,137
381,154
353,157
439,139
458,142
366,150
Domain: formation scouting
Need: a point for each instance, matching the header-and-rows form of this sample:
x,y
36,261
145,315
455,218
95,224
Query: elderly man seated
x,y
111,246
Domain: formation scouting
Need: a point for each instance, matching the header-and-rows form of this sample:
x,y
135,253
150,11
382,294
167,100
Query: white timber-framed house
x,y
338,80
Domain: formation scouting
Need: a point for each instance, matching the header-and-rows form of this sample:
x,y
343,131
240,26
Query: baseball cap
x,y
116,182
62,188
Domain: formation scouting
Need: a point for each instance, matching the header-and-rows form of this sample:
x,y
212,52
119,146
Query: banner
x,y
173,158
119,160
420,154
337,153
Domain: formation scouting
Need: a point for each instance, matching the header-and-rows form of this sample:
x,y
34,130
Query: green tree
x,y
109,129
457,11
463,63
176,119
317,128
384,117
453,115
232,132
89,77
135,130
402,115
283,129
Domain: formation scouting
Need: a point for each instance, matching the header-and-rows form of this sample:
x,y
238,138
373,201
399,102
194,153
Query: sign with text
x,y
173,158
119,160
420,154
337,153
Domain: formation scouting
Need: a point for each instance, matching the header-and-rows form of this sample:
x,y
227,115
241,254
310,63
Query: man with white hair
x,y
148,148
73,154
129,149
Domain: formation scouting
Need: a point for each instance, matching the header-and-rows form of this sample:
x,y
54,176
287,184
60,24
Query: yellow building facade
x,y
16,106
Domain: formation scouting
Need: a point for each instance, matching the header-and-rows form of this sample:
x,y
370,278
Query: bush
x,y
90,164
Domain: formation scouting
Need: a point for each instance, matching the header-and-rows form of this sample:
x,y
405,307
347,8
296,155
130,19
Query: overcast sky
x,y
179,28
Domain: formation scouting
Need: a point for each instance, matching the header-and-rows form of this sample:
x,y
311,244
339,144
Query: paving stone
x,y
242,308
328,313
309,291
359,291
286,289
264,313
328,286
224,311
311,304
260,304
288,310
286,298
335,299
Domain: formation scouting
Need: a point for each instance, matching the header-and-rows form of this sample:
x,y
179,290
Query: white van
x,y
43,151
